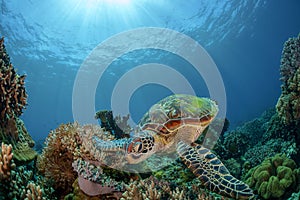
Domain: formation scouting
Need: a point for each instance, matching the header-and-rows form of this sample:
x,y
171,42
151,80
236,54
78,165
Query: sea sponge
x,y
288,105
274,177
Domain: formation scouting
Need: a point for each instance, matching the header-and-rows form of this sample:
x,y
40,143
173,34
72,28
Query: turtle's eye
x,y
137,147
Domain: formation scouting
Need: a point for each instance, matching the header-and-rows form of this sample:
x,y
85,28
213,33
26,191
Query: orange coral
x,y
6,163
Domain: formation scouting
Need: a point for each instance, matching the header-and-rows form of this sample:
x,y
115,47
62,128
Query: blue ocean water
x,y
49,40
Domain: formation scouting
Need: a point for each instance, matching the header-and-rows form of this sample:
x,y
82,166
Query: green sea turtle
x,y
175,123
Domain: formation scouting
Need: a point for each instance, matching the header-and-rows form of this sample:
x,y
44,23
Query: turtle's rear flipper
x,y
211,172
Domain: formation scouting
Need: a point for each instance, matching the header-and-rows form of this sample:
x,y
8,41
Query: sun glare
x,y
108,2
121,2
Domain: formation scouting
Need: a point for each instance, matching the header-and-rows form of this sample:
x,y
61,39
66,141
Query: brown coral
x,y
288,105
6,163
13,95
55,163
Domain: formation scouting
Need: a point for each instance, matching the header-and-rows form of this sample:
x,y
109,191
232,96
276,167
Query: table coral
x,y
288,105
274,177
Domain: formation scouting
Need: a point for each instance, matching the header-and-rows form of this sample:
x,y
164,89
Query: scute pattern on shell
x,y
171,113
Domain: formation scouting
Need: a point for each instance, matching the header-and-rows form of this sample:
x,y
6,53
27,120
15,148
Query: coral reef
x,y
274,177
288,103
259,152
237,142
176,172
25,184
71,167
152,188
13,99
21,182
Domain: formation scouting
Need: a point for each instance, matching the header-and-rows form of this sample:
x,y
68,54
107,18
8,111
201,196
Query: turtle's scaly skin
x,y
175,123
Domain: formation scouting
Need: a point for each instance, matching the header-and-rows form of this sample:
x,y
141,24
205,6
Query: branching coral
x,y
143,189
34,192
13,95
288,105
6,162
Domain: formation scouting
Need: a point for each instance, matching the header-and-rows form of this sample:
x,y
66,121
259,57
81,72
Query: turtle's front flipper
x,y
211,172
